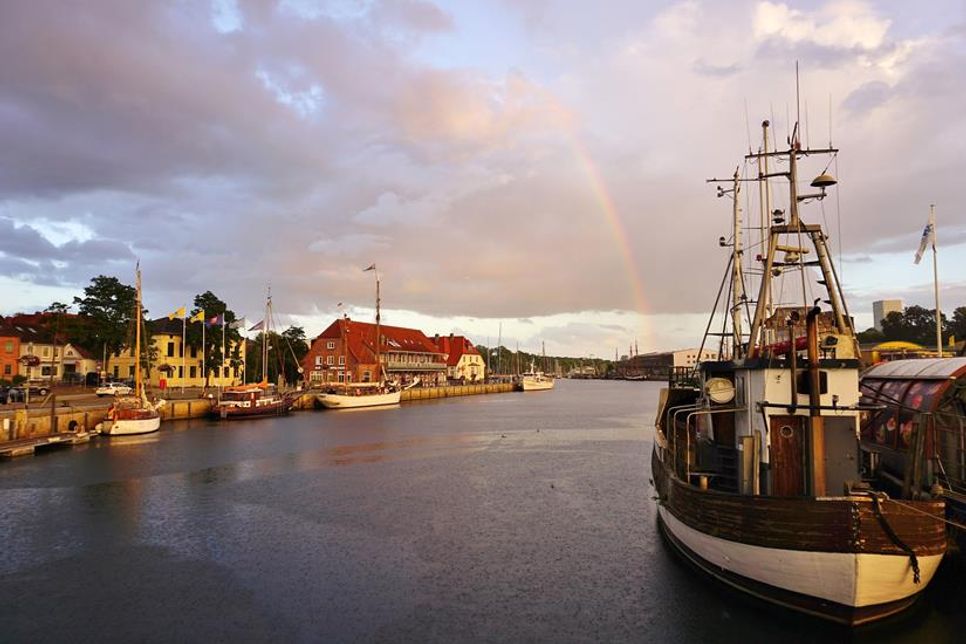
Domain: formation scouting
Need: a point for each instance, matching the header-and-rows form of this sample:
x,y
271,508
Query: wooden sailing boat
x,y
379,393
756,461
254,399
133,414
534,380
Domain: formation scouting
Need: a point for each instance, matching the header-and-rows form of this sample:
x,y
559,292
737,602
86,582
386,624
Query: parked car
x,y
113,389
37,387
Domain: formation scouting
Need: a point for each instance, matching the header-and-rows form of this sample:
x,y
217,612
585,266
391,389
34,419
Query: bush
x,y
19,379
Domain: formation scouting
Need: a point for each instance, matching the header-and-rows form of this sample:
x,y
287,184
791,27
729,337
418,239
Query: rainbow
x,y
616,225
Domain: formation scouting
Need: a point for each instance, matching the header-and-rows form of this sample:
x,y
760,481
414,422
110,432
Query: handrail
x,y
687,433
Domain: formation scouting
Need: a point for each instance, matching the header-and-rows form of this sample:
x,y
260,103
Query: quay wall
x,y
41,422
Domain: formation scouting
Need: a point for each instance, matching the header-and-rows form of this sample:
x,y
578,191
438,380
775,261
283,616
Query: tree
x,y
957,326
870,336
108,310
914,324
285,353
213,306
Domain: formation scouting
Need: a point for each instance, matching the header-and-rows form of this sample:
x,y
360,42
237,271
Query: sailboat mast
x,y
138,386
378,332
737,284
265,327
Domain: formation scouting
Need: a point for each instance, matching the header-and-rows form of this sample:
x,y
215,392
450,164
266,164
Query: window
x,y
318,361
7,369
130,371
46,351
194,353
342,360
171,349
117,372
181,350
45,371
330,344
329,360
193,372
366,376
181,372
8,346
226,372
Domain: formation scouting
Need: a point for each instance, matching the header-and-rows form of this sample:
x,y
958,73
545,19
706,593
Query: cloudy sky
x,y
538,164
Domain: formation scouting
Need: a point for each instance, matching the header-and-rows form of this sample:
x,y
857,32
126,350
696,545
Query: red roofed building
x,y
464,362
346,352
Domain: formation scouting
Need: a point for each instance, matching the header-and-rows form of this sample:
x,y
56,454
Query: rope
x,y
949,522
895,538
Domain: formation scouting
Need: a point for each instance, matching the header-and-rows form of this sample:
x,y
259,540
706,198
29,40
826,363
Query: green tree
x,y
915,324
107,310
213,307
957,326
870,336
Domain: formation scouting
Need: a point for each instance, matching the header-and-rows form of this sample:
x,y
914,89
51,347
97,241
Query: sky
x,y
528,170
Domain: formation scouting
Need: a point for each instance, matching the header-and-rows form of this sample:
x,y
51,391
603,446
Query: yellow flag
x,y
198,317
177,314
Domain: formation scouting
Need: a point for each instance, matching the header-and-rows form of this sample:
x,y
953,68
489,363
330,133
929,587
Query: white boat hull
x,y
126,427
343,401
533,384
854,580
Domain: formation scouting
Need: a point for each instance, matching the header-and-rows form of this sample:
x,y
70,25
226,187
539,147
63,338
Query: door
x,y
787,450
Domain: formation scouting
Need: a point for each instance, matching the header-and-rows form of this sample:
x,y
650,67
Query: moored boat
x,y
249,401
759,476
133,414
363,394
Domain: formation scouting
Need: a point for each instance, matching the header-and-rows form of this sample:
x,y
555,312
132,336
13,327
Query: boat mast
x,y
265,327
138,385
378,329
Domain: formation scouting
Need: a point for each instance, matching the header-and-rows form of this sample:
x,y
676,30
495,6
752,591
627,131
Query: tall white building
x,y
882,308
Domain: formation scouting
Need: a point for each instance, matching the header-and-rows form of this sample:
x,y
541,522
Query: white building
x,y
882,308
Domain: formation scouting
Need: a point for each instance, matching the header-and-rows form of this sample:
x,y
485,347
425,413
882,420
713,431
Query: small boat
x,y
357,395
361,394
133,414
534,380
254,399
760,479
248,401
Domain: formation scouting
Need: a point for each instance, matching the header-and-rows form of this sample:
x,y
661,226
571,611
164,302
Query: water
x,y
497,517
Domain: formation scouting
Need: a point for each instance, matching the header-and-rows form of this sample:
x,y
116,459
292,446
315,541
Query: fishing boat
x,y
255,399
355,395
534,380
133,414
247,401
760,480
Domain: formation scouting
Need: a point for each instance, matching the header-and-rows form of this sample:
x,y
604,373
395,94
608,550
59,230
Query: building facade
x,y
881,309
176,364
346,352
464,363
9,354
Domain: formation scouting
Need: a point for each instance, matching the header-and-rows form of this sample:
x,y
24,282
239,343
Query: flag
x,y
238,324
198,317
258,326
928,238
218,319
372,267
177,314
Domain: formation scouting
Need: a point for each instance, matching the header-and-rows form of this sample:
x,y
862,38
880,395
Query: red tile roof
x,y
456,346
361,339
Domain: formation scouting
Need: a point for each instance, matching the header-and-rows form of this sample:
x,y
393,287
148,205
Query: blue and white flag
x,y
928,238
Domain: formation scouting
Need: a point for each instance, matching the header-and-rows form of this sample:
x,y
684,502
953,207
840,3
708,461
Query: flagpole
x,y
204,363
184,349
935,281
223,320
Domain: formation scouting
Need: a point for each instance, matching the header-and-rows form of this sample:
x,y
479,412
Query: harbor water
x,y
501,517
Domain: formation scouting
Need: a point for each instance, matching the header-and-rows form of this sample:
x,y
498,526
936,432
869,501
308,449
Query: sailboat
x,y
254,399
353,395
133,414
534,380
760,479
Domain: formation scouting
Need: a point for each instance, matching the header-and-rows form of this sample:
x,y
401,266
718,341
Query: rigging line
x,y
838,216
942,519
714,309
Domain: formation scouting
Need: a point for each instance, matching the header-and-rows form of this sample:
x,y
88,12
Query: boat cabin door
x,y
787,455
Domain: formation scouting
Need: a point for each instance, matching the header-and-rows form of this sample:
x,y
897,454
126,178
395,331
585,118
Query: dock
x,y
30,445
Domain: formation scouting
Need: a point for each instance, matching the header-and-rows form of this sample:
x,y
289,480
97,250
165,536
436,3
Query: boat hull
x,y
343,401
227,412
826,557
536,385
130,426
